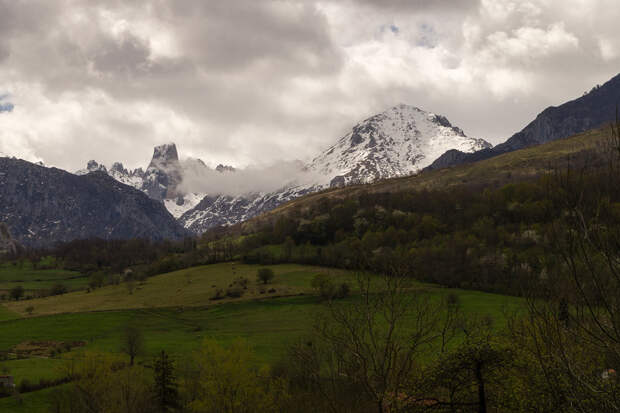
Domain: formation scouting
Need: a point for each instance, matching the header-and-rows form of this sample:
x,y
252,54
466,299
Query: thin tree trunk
x,y
482,400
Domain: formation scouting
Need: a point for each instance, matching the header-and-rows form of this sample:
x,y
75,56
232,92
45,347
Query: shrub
x,y
218,294
17,292
322,284
29,310
235,291
242,282
265,275
342,291
58,289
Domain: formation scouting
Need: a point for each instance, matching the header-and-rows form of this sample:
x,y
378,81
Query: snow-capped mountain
x,y
161,179
400,141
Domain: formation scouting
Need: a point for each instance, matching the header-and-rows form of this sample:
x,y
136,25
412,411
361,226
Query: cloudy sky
x,y
249,82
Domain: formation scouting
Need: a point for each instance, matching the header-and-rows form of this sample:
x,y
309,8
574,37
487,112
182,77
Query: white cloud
x,y
254,83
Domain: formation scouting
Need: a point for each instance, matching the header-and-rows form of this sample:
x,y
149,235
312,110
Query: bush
x,y
342,291
96,280
324,286
218,294
265,275
242,282
17,292
58,289
235,291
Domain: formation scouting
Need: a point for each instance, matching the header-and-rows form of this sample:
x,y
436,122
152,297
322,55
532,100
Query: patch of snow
x,y
186,202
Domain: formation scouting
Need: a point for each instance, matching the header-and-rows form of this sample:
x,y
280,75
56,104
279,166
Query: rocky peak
x,y
399,141
118,167
165,154
93,166
164,173
225,168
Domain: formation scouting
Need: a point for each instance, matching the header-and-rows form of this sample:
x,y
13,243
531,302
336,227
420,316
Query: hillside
x,y
509,167
592,110
41,206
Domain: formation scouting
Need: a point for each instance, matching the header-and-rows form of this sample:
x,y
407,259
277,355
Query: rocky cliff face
x,y
42,205
163,175
160,181
590,111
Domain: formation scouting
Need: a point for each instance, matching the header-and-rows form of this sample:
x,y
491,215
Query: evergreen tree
x,y
166,392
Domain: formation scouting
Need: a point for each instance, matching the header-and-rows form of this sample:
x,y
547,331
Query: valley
x,y
176,321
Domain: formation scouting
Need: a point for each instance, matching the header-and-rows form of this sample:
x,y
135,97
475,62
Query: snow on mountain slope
x,y
161,179
182,204
400,141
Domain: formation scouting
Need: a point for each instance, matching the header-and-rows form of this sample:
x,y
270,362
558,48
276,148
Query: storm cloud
x,y
252,83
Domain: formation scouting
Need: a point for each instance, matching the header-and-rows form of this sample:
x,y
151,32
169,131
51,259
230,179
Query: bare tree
x,y
133,342
574,316
373,345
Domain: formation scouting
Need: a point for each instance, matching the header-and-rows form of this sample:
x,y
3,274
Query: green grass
x,y
35,402
34,369
24,274
269,324
190,287
6,314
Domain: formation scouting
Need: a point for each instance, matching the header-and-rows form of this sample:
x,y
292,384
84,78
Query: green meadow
x,y
32,279
175,313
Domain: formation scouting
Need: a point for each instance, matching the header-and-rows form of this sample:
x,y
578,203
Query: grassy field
x,y
186,288
175,314
35,402
24,274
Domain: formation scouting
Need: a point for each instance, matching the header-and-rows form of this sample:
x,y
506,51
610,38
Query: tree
x,y
322,284
99,385
473,375
288,246
371,347
265,275
573,328
133,342
166,392
58,289
229,380
131,286
17,292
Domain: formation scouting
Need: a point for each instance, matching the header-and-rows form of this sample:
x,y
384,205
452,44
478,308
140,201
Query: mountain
x,y
397,142
585,149
161,179
43,205
590,111
400,141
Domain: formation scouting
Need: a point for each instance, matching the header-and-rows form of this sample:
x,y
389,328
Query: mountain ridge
x,y
41,206
587,112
